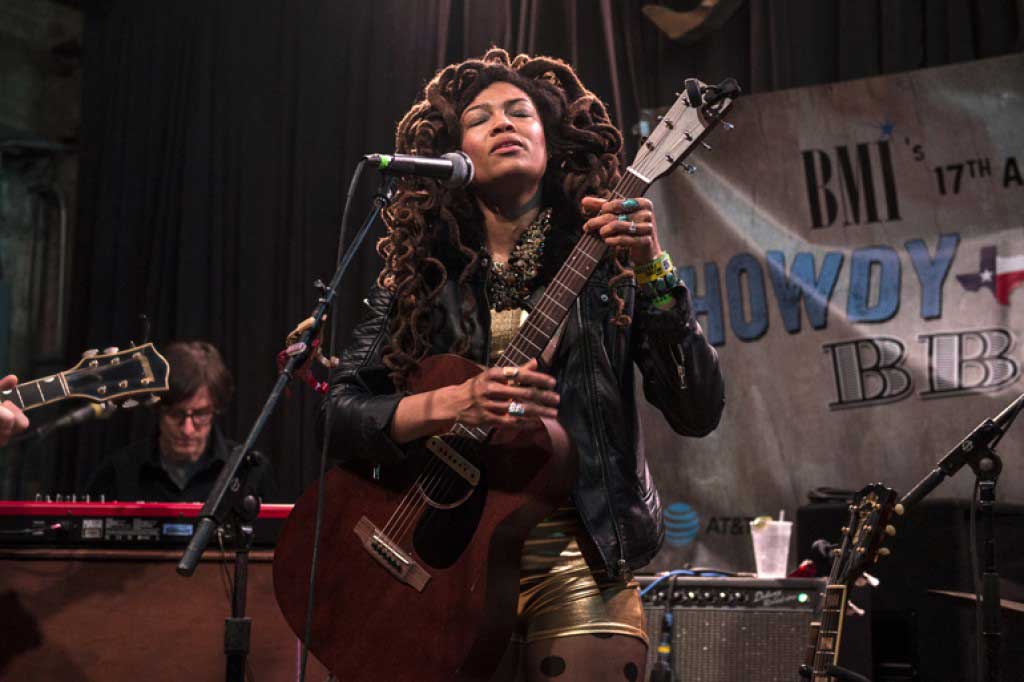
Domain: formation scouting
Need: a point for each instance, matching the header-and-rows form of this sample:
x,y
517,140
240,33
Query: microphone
x,y
454,169
79,415
985,435
82,414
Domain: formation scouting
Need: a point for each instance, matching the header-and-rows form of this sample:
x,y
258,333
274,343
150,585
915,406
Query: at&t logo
x,y
681,524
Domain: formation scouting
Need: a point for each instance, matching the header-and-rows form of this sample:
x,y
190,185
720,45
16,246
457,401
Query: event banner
x,y
854,253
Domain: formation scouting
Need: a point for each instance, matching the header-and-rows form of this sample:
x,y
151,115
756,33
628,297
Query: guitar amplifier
x,y
728,629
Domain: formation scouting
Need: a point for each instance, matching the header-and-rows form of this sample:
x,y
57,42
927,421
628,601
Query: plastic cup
x,y
771,547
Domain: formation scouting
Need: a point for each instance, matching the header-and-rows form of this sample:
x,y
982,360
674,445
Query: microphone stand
x,y
977,451
232,505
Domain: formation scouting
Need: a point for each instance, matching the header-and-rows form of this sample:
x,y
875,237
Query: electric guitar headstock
x,y
865,532
100,377
863,535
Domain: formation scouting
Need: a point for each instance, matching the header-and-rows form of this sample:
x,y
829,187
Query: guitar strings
x,y
427,487
413,492
427,484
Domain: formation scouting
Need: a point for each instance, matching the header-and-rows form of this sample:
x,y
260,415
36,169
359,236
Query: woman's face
x,y
503,135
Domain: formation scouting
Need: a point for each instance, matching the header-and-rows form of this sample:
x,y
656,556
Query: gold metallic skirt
x,y
559,595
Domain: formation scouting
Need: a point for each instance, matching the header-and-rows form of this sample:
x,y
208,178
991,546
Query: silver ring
x,y
516,409
632,227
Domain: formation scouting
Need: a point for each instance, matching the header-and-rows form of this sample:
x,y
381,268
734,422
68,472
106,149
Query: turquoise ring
x,y
630,204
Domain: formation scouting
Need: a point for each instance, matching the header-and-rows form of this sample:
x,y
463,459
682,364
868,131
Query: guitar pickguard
x,y
444,532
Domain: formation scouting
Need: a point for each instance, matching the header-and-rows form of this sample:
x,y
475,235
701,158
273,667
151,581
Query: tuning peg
x,y
91,352
689,168
110,349
890,530
899,509
727,125
129,403
705,145
884,551
845,530
153,400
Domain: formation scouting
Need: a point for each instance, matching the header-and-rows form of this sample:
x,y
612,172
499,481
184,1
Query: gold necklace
x,y
510,284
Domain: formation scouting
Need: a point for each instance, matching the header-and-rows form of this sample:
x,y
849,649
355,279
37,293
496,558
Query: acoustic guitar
x,y
420,581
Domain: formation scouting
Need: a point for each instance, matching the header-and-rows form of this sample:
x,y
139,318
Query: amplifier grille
x,y
654,624
725,645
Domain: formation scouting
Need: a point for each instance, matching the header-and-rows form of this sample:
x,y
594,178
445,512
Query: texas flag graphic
x,y
998,274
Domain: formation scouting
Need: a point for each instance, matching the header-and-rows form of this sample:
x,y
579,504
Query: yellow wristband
x,y
656,269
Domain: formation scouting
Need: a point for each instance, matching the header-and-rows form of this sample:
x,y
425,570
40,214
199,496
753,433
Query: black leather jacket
x,y
614,493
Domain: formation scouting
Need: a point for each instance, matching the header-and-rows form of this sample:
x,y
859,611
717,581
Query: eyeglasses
x,y
199,417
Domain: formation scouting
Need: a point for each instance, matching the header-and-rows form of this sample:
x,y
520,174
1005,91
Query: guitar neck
x,y
547,316
830,632
32,394
811,648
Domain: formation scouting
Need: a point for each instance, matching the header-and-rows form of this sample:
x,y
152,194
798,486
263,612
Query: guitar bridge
x,y
390,556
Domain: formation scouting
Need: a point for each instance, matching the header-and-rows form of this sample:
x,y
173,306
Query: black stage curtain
x,y
218,139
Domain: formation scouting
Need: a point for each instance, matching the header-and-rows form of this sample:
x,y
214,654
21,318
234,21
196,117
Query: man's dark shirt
x,y
135,474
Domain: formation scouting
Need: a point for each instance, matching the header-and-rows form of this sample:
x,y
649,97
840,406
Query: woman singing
x,y
461,267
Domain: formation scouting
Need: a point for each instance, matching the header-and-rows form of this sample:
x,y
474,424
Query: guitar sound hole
x,y
446,491
446,528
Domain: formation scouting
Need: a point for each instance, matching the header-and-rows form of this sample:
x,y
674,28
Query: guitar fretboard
x,y
827,651
35,393
546,317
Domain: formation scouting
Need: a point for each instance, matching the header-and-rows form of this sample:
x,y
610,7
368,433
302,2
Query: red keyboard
x,y
136,524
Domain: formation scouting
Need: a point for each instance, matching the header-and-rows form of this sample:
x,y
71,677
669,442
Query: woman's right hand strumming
x,y
505,397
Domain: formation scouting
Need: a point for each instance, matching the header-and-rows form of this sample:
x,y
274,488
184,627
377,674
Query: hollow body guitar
x,y
419,580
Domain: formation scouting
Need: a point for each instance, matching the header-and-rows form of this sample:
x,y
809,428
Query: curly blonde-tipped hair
x,y
583,159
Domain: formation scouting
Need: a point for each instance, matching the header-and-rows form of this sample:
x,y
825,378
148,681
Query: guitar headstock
x,y
118,374
868,526
694,114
